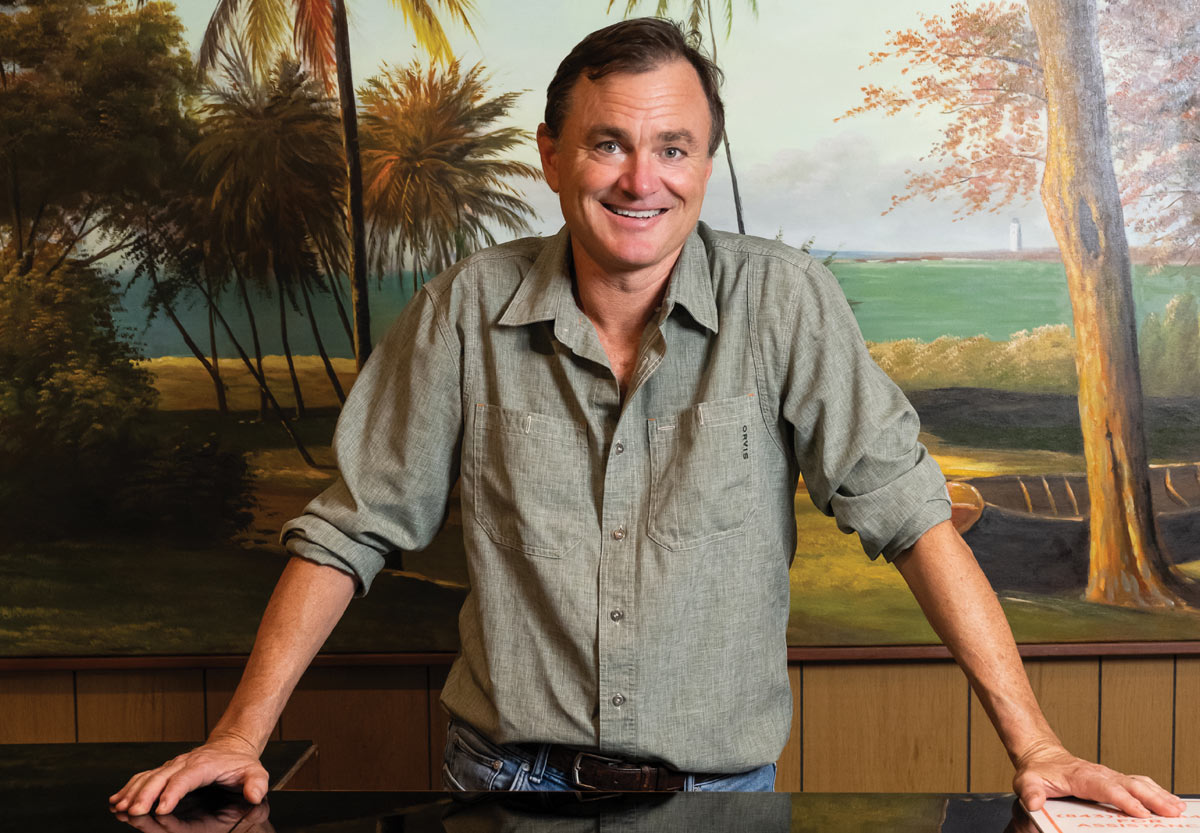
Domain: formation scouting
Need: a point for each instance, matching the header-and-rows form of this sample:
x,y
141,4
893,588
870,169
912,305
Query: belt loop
x,y
539,764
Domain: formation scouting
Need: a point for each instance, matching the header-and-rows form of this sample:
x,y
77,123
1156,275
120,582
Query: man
x,y
628,406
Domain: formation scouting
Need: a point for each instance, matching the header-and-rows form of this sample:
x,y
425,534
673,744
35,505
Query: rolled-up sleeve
x,y
855,433
396,443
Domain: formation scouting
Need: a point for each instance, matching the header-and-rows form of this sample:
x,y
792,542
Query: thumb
x,y
255,787
1033,797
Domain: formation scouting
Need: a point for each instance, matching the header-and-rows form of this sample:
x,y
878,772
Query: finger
x,y
149,791
1032,795
256,786
1154,797
127,789
131,789
1119,797
177,786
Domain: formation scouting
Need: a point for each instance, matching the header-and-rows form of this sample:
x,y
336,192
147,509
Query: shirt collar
x,y
545,292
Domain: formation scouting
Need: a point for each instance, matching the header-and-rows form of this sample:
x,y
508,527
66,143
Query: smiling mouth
x,y
637,215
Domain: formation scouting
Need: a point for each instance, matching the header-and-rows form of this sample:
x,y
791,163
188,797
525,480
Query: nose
x,y
639,178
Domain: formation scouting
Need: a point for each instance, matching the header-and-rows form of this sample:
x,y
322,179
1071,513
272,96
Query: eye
x,y
674,153
608,147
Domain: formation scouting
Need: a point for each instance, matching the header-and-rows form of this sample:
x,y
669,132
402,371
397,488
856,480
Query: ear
x,y
708,171
548,150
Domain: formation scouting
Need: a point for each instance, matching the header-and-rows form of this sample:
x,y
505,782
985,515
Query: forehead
x,y
668,92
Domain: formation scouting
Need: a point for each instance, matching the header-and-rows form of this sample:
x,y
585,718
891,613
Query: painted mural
x,y
192,267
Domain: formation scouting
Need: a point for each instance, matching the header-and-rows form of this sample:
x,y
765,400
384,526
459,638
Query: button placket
x,y
616,681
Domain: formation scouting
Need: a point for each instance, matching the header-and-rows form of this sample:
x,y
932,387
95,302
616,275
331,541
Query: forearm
x,y
308,601
961,606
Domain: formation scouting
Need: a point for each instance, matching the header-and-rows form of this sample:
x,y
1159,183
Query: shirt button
x,y
616,615
619,448
619,533
618,700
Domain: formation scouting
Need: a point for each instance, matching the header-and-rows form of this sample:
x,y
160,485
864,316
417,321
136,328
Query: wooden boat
x,y
1030,532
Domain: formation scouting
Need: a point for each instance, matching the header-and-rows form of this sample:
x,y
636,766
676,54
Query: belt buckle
x,y
579,756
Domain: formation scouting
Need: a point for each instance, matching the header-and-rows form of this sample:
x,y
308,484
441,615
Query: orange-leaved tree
x,y
990,76
979,69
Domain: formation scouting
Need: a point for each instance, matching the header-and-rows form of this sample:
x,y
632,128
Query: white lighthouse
x,y
1014,235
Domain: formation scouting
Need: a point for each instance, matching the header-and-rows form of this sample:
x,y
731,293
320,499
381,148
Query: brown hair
x,y
637,45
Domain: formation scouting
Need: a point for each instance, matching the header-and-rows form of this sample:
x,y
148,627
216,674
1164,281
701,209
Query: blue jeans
x,y
472,762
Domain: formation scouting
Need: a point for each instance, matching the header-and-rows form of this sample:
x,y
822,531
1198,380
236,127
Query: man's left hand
x,y
1053,772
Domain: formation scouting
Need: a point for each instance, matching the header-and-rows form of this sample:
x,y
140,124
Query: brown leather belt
x,y
590,771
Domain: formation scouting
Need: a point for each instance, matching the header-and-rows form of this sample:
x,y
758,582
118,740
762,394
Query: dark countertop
x,y
65,786
298,812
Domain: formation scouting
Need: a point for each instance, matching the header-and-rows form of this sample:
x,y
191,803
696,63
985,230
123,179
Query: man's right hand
x,y
229,762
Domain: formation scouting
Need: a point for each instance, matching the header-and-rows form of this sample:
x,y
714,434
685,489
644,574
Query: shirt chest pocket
x,y
531,480
701,470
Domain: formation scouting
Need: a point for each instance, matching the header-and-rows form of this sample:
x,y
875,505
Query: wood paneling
x,y
790,774
856,727
1137,705
140,705
1187,725
885,728
37,707
439,724
1069,693
371,727
219,684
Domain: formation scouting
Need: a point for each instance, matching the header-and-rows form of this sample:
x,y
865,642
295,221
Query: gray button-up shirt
x,y
628,560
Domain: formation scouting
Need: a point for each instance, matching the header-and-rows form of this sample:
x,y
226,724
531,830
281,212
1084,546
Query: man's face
x,y
630,167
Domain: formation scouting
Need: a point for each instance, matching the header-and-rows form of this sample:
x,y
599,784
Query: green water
x,y
914,299
930,298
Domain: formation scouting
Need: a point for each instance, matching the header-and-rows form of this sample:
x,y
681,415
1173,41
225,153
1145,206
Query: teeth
x,y
640,215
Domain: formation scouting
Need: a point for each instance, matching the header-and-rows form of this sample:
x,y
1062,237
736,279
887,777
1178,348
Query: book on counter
x,y
1068,815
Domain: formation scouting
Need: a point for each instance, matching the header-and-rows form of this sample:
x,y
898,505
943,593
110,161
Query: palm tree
x,y
269,159
699,13
436,180
321,36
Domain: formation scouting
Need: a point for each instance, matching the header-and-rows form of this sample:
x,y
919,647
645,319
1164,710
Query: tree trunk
x,y
332,277
15,204
219,385
152,272
329,371
1079,190
737,194
281,288
262,384
241,279
354,192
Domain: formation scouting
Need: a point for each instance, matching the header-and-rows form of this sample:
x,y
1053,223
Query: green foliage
x,y
74,451
1041,361
271,170
1170,349
93,116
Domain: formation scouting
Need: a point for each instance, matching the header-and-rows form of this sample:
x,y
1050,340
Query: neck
x,y
620,303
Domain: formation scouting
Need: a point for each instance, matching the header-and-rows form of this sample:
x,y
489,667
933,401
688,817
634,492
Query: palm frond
x,y
266,26
430,35
436,178
215,33
313,38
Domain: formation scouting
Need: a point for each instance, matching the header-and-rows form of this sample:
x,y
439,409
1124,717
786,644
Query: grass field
x,y
137,596
119,597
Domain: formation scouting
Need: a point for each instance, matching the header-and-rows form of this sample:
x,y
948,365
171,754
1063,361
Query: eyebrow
x,y
604,131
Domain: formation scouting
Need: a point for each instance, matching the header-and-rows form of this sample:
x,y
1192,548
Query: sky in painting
x,y
790,73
